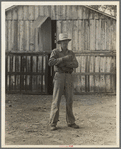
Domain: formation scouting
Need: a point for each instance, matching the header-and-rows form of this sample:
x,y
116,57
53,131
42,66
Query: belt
x,y
67,72
64,72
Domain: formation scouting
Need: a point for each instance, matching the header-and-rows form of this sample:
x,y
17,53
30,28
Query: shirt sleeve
x,y
53,60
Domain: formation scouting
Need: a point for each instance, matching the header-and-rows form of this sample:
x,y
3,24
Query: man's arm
x,y
73,63
53,60
58,61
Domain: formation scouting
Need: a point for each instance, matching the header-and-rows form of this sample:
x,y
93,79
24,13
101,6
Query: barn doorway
x,y
28,72
50,69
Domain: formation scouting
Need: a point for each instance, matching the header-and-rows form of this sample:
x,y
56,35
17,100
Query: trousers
x,y
63,84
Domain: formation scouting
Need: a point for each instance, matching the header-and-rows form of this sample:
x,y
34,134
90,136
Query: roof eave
x,y
103,13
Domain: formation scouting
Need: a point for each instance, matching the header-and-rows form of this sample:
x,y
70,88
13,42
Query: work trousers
x,y
63,84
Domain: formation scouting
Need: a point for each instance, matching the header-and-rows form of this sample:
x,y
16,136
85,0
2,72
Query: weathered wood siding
x,y
27,72
96,73
88,29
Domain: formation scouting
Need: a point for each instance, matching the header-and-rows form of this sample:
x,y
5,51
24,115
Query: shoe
x,y
52,128
73,126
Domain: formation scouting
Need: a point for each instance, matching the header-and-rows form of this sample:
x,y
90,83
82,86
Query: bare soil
x,y
27,116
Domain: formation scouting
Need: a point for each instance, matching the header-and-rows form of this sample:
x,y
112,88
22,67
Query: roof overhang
x,y
40,20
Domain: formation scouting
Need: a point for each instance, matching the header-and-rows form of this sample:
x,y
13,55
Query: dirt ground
x,y
27,116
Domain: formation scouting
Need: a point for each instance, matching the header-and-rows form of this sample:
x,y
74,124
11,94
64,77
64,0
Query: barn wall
x,y
96,73
89,30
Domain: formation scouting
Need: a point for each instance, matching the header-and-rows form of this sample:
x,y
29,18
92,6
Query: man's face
x,y
64,44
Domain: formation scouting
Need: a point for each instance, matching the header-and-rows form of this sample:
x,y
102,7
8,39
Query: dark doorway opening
x,y
51,69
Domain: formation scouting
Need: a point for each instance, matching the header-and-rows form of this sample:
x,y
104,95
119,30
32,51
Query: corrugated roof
x,y
14,6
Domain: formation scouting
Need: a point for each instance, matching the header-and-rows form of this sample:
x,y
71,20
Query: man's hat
x,y
63,37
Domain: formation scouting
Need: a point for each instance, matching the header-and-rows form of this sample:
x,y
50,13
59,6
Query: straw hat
x,y
63,37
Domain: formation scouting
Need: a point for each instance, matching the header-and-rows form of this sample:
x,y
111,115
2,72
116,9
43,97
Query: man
x,y
64,61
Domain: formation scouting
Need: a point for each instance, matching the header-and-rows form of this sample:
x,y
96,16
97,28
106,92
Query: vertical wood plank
x,y
113,70
37,64
40,40
64,26
12,36
36,40
18,37
40,64
53,12
9,15
103,38
108,34
20,13
31,12
75,36
80,12
91,69
57,12
83,70
21,35
15,14
79,62
47,10
26,36
8,64
74,12
96,15
44,63
59,24
86,35
31,37
15,35
114,35
91,14
81,35
85,13
17,83
36,12
98,34
33,83
41,10
26,12
108,77
28,63
69,12
70,29
13,63
62,12
92,34
97,64
34,64
9,35
102,77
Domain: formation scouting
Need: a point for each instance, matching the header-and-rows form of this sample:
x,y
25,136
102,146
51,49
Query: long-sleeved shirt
x,y
56,60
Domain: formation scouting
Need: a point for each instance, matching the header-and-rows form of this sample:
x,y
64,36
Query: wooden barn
x,y
31,34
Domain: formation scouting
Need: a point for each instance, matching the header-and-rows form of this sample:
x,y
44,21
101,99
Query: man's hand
x,y
67,58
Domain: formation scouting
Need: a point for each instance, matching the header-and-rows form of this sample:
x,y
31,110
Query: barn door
x,y
51,69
